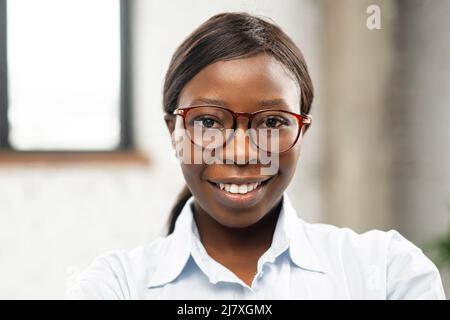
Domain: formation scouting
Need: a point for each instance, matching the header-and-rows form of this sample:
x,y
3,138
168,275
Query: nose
x,y
240,149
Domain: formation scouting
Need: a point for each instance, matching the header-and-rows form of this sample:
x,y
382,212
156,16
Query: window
x,y
64,74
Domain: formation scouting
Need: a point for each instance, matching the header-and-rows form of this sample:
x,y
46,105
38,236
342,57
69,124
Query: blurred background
x,y
85,158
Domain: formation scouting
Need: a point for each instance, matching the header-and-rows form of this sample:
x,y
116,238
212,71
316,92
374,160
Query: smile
x,y
238,192
238,188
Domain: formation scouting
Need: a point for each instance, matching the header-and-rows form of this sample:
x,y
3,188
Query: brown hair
x,y
229,36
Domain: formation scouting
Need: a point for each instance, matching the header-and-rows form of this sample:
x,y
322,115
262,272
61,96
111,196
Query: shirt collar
x,y
184,242
301,250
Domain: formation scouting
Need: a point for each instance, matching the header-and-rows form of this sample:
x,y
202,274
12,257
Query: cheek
x,y
288,161
187,153
192,174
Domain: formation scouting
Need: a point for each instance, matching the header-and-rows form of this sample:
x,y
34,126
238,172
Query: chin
x,y
238,219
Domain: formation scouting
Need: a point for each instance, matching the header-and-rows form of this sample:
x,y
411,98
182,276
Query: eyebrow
x,y
263,103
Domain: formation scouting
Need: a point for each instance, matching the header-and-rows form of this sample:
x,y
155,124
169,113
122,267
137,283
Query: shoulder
x,y
408,272
345,236
113,274
388,243
368,247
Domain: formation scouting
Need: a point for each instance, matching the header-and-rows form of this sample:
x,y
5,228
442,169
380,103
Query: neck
x,y
223,240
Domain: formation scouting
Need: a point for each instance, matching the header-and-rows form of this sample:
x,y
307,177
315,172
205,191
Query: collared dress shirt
x,y
304,261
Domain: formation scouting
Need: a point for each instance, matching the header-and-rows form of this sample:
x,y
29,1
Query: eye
x,y
208,122
273,122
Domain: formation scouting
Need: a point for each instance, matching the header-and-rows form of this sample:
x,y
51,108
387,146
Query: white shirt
x,y
305,261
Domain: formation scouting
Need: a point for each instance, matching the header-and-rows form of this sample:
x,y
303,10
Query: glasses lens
x,y
209,127
274,131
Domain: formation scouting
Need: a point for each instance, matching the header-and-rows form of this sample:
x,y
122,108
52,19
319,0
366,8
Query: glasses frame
x,y
303,119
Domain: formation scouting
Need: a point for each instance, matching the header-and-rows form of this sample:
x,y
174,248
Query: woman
x,y
238,93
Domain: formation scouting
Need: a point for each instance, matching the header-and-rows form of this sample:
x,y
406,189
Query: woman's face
x,y
241,85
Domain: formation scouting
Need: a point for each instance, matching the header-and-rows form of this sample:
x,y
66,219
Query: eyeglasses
x,y
266,126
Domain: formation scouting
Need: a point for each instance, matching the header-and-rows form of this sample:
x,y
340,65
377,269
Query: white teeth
x,y
234,188
243,189
238,188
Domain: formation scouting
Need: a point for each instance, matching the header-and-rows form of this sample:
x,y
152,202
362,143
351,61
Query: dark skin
x,y
237,235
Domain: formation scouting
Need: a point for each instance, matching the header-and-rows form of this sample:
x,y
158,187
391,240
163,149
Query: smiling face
x,y
238,195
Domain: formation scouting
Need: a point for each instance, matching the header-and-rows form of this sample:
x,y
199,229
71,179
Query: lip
x,y
237,200
240,180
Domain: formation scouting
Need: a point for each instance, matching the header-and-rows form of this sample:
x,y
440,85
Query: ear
x,y
170,122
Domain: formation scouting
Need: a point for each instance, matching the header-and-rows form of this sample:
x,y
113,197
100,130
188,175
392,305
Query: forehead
x,y
244,85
